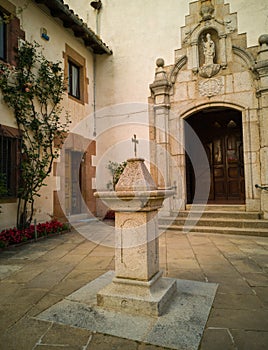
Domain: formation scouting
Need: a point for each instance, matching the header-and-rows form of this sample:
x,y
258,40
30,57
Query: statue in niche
x,y
208,49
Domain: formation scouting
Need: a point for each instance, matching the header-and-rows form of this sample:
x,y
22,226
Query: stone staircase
x,y
225,219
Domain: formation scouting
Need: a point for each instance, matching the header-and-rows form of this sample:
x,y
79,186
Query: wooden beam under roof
x,y
80,29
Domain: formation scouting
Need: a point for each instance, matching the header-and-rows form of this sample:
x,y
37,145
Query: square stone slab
x,y
180,327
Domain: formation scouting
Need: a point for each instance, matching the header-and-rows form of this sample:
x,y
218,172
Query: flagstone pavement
x,y
35,276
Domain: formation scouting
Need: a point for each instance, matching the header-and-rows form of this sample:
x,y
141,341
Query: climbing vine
x,y
33,89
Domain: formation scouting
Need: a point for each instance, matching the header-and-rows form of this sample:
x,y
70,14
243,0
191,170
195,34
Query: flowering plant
x,y
33,89
14,236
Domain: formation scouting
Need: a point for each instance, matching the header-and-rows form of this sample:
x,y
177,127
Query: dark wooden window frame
x,y
72,56
73,90
10,155
3,37
12,32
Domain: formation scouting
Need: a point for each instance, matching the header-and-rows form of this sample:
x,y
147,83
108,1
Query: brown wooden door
x,y
225,155
76,197
220,131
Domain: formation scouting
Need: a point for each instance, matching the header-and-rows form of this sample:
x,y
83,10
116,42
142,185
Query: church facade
x,y
209,114
203,130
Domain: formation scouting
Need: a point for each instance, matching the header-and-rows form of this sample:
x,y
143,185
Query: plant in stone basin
x,y
33,89
116,169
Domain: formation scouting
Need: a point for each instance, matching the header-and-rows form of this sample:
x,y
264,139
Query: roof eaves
x,y
76,24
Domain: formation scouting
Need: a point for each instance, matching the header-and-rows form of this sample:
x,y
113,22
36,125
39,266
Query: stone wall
x,y
231,80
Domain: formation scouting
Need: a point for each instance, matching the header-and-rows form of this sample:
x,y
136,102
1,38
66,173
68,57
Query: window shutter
x,y
14,33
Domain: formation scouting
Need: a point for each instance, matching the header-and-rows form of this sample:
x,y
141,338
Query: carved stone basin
x,y
134,200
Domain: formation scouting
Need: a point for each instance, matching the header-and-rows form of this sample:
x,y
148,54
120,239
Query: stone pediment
x,y
205,36
211,48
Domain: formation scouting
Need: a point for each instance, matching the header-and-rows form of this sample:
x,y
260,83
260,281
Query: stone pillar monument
x,y
135,301
138,286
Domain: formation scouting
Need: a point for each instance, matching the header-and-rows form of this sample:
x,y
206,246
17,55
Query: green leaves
x,y
116,169
33,89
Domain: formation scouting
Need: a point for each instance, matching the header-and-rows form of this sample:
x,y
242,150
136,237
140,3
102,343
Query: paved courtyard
x,y
38,275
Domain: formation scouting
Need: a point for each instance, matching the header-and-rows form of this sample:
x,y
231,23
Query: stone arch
x,y
214,26
197,108
250,140
220,132
176,68
245,56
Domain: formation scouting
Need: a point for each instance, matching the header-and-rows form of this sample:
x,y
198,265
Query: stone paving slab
x,y
181,327
7,270
237,321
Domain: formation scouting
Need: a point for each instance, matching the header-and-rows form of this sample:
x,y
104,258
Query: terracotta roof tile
x,y
80,29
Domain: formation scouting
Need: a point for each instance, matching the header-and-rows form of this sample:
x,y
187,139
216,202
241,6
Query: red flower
x,y
14,236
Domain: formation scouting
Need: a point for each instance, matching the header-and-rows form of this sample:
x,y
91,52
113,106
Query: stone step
x,y
78,217
215,222
218,214
216,207
225,219
219,230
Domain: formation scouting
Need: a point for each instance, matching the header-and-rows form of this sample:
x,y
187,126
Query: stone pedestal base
x,y
181,327
138,297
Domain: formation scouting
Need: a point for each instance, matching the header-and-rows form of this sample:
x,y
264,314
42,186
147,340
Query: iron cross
x,y
135,141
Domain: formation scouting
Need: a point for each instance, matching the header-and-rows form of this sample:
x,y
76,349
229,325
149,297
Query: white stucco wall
x,y
32,19
138,32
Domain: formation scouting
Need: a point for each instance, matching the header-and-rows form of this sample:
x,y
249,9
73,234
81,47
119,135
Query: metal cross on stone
x,y
135,141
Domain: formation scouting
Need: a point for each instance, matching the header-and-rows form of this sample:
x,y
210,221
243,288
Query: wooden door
x,y
76,196
225,153
68,180
73,180
220,131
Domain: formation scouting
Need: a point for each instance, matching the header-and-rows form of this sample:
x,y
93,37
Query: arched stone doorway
x,y
232,79
220,132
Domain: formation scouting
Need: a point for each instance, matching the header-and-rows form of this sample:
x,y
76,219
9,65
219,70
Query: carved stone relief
x,y
206,10
210,87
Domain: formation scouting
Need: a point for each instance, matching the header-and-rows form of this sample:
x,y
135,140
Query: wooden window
x,y
9,161
74,80
3,40
10,32
75,74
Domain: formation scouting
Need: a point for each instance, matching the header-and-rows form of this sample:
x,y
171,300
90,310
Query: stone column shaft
x,y
262,69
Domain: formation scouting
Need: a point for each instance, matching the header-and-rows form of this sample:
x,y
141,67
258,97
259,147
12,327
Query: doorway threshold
x,y
216,207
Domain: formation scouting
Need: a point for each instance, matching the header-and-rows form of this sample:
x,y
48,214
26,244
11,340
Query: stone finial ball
x,y
263,39
160,62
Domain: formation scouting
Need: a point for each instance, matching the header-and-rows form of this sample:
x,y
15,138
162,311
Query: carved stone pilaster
x,y
222,53
194,56
160,87
262,69
262,63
